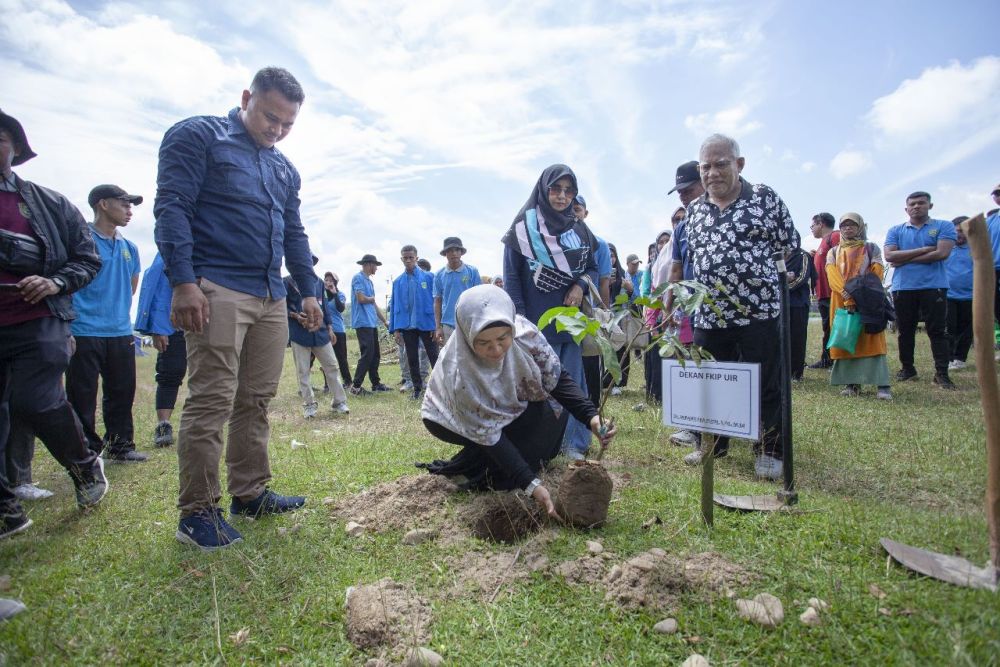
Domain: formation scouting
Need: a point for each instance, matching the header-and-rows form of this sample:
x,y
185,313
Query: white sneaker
x,y
407,386
340,408
956,365
616,391
768,467
31,492
684,439
884,395
694,458
309,410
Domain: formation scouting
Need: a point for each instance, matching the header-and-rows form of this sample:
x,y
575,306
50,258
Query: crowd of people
x,y
221,314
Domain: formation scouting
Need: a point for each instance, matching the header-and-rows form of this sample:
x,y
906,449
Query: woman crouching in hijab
x,y
548,258
490,394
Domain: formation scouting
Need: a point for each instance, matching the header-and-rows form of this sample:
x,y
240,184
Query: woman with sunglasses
x,y
548,258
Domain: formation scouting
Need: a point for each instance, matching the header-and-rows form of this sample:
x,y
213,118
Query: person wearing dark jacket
x,y
800,277
46,254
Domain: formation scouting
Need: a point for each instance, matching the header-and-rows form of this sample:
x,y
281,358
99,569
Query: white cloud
x,y
940,99
733,121
807,167
849,162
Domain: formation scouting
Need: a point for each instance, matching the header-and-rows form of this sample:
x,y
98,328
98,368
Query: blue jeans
x,y
577,436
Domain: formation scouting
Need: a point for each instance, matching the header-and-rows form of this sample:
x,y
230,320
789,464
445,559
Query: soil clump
x,y
655,580
584,494
386,615
413,501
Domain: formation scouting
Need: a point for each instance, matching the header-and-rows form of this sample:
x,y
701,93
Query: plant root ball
x,y
584,494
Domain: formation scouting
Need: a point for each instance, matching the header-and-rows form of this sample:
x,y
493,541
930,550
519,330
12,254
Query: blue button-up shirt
x,y
228,210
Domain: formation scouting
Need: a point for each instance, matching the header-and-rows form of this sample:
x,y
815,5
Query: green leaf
x,y
610,357
552,313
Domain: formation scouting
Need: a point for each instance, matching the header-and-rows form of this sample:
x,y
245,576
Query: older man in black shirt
x,y
733,230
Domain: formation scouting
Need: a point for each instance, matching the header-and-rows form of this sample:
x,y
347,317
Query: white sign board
x,y
718,397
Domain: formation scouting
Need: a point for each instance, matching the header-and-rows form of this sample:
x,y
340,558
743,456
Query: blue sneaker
x,y
267,502
207,530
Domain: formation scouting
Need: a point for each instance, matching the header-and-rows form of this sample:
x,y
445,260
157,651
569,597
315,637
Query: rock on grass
x,y
422,657
696,660
667,626
764,610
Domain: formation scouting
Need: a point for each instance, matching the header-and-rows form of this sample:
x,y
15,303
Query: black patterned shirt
x,y
731,253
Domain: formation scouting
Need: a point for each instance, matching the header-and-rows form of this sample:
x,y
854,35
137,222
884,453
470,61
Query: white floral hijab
x,y
471,396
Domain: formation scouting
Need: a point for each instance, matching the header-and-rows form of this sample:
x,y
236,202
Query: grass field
x,y
112,586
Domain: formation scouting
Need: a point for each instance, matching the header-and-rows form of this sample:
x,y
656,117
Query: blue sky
x,y
431,119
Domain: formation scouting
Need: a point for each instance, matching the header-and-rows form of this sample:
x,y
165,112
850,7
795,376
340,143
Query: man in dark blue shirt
x,y
227,212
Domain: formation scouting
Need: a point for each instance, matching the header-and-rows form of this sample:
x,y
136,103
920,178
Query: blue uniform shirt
x,y
993,226
915,276
336,316
680,250
103,307
412,304
603,257
362,314
959,268
228,210
449,285
153,316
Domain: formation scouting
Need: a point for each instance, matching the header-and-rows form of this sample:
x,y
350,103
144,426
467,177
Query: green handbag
x,y
845,330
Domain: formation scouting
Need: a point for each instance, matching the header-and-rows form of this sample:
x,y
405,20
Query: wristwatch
x,y
60,283
535,483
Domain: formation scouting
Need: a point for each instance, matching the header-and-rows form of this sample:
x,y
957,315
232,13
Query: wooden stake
x,y
983,294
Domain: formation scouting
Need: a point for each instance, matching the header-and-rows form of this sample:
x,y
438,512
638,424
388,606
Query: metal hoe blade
x,y
951,569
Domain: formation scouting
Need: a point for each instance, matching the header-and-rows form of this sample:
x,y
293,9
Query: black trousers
x,y
340,351
111,360
370,356
654,374
592,374
798,324
33,357
170,369
15,464
624,361
959,328
412,339
754,343
824,315
534,438
931,306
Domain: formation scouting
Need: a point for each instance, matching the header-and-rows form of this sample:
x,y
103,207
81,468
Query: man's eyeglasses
x,y
557,190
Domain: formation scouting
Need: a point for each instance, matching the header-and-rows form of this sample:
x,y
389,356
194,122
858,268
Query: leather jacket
x,y
70,253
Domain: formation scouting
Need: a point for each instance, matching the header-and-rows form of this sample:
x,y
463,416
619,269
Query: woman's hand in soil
x,y
544,500
608,434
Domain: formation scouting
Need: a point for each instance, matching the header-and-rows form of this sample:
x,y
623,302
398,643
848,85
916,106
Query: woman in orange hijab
x,y
852,257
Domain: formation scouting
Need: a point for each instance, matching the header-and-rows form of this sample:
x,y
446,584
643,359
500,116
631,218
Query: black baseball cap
x,y
687,174
108,191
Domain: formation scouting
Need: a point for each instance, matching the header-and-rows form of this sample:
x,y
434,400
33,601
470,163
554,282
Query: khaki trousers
x,y
234,367
328,362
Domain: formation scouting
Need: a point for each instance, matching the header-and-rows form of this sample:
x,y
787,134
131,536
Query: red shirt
x,y
13,308
822,284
